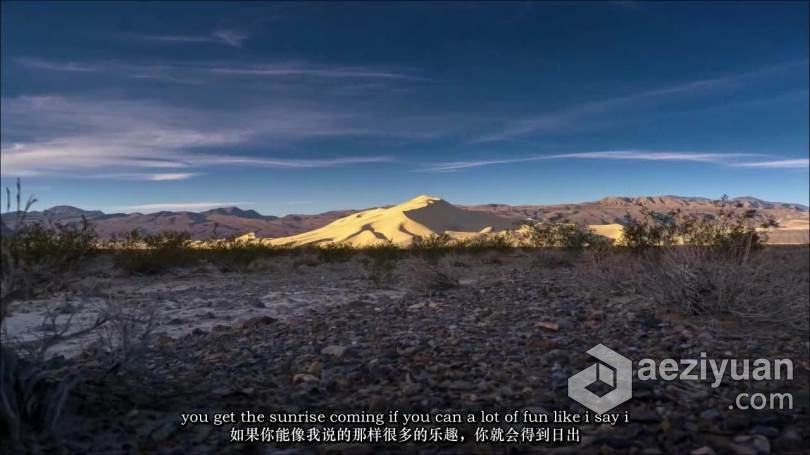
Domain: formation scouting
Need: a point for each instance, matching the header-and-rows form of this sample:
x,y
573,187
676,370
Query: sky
x,y
306,107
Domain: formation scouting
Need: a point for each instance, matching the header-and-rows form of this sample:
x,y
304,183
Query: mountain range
x,y
402,221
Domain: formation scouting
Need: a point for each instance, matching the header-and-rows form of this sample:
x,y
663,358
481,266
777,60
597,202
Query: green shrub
x,y
730,230
484,242
154,253
649,229
380,261
55,247
336,252
566,235
432,246
234,254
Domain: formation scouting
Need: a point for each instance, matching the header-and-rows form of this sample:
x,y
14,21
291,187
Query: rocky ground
x,y
494,332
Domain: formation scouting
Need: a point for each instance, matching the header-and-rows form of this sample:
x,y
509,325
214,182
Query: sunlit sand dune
x,y
421,216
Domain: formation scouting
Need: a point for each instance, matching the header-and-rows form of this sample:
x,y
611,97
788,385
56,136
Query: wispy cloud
x,y
198,72
181,206
637,155
574,116
51,65
227,37
154,177
290,70
801,163
231,37
135,139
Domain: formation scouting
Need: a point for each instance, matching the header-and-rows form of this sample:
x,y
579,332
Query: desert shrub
x,y
431,247
484,242
731,229
235,254
44,252
335,252
566,235
54,246
380,260
429,276
154,253
554,259
38,253
607,270
704,281
649,229
32,395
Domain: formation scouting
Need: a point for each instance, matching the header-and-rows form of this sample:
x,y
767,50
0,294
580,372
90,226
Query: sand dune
x,y
421,216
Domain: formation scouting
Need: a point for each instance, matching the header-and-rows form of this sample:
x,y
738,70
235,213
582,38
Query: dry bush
x,y
487,242
156,253
729,229
754,288
335,252
768,285
238,254
609,271
431,247
33,389
428,276
565,235
127,333
380,260
548,258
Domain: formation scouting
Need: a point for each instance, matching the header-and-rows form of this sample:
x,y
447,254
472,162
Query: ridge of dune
x,y
400,224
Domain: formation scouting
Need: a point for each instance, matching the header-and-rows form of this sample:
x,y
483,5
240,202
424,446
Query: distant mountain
x,y
613,209
228,221
220,222
237,212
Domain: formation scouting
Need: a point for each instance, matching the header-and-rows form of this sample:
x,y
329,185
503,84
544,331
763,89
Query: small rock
x,y
762,444
738,449
258,321
710,414
548,325
705,450
304,377
769,432
334,350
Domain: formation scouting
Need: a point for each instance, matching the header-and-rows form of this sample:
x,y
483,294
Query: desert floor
x,y
497,331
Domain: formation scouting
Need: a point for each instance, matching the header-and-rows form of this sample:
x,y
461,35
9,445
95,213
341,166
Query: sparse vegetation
x,y
432,246
731,229
565,235
501,241
380,262
235,254
154,253
335,252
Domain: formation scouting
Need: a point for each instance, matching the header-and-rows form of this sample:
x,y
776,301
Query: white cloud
x,y
154,177
181,206
802,163
637,155
574,117
86,137
291,70
233,38
195,73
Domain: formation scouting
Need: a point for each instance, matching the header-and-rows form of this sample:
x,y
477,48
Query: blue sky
x,y
302,108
